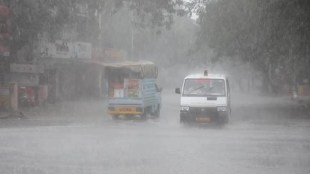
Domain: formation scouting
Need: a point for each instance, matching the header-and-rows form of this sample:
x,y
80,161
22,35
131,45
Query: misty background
x,y
260,45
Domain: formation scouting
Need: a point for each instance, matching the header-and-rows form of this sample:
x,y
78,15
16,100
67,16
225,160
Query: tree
x,y
33,18
270,34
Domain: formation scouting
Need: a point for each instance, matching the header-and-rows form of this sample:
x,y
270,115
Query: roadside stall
x,y
27,77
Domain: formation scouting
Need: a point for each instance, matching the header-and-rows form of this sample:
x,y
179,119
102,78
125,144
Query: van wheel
x,y
223,120
115,117
226,119
182,120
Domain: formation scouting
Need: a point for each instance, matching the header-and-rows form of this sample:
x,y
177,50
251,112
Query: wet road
x,y
263,136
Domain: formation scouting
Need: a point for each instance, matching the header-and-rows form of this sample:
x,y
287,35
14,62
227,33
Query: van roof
x,y
202,76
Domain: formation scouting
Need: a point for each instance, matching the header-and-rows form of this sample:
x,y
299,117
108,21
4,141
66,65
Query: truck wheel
x,y
143,116
157,112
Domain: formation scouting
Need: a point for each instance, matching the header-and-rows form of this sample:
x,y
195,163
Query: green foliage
x,y
270,34
34,17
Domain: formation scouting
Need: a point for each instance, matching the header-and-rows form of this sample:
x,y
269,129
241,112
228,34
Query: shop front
x,y
30,88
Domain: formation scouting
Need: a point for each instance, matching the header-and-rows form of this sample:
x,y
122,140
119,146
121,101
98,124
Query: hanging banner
x,y
83,50
26,68
67,50
108,55
25,79
59,49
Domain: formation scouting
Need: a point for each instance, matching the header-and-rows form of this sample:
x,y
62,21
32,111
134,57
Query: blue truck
x,y
132,89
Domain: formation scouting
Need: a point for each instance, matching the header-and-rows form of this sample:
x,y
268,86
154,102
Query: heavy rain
x,y
154,86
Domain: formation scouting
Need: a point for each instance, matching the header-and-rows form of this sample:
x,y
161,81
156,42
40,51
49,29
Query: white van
x,y
205,98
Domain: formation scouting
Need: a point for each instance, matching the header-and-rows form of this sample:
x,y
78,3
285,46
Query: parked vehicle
x,y
205,98
132,89
26,96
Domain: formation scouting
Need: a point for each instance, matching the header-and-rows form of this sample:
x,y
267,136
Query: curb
x,y
7,115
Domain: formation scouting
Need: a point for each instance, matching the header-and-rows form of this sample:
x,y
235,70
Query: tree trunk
x,y
267,87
